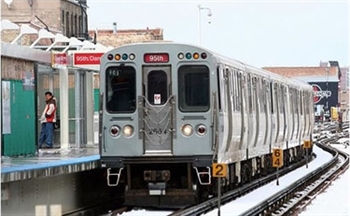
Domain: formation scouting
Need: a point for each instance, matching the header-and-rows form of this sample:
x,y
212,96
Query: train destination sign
x,y
156,58
58,59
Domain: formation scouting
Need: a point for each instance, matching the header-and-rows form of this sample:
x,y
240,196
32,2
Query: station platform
x,y
49,162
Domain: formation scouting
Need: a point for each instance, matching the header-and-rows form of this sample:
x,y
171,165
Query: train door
x,y
157,110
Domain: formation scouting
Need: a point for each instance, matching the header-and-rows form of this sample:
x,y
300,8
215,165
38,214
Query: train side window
x,y
284,98
240,86
276,98
193,88
291,96
306,102
250,105
301,102
268,96
232,87
254,94
272,90
280,99
121,89
263,95
219,88
237,93
296,102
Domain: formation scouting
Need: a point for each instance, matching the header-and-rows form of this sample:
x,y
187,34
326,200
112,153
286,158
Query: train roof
x,y
229,62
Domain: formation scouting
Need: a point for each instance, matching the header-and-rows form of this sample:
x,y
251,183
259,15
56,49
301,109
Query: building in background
x,y
344,79
67,17
344,91
325,80
114,38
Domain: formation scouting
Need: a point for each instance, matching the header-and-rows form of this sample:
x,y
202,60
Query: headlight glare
x,y
187,130
128,130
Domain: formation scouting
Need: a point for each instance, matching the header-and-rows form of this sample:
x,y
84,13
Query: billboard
x,y
326,93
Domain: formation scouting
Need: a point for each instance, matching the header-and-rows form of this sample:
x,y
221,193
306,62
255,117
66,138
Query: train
x,y
170,111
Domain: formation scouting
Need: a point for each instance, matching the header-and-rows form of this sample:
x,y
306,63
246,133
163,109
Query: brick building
x,y
116,38
67,17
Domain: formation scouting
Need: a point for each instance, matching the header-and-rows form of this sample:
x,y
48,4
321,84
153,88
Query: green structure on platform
x,y
96,99
19,132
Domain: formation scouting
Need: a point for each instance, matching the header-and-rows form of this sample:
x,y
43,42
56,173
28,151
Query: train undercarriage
x,y
171,183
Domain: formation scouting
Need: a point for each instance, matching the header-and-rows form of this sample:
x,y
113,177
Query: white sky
x,y
260,33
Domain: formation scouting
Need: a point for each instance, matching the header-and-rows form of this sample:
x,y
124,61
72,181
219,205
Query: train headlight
x,y
117,57
188,55
114,131
196,56
201,130
187,130
128,130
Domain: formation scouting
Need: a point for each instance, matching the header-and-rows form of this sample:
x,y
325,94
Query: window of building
x,y
67,25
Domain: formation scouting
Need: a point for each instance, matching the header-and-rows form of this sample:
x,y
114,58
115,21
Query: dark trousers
x,y
46,134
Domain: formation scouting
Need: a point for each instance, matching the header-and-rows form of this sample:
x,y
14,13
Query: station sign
x,y
86,58
58,59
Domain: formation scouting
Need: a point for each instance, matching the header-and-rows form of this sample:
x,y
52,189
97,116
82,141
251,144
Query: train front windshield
x,y
121,89
194,88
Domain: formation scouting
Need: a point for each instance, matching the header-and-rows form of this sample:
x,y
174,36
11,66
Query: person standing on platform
x,y
47,120
340,121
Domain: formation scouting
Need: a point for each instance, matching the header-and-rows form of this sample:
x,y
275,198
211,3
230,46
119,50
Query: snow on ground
x,y
334,201
242,204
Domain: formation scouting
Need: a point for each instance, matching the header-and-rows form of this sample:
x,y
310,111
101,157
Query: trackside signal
x,y
307,144
219,170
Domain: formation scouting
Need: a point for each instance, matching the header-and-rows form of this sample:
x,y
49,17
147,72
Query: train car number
x,y
157,131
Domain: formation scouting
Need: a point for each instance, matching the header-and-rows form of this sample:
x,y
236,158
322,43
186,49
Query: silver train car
x,y
168,111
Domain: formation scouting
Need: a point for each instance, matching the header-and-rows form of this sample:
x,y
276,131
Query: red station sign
x,y
58,59
86,58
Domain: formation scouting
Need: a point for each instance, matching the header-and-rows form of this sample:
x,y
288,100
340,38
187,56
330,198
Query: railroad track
x,y
295,197
289,201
